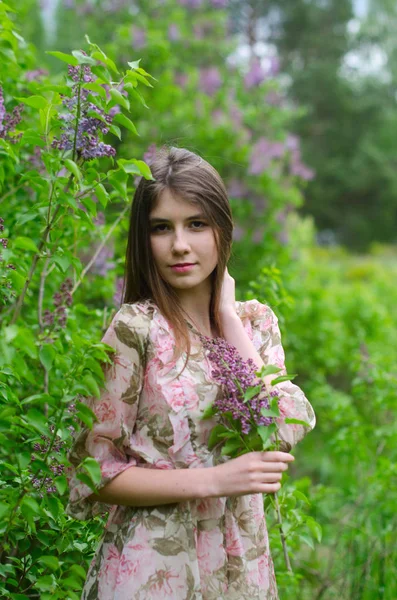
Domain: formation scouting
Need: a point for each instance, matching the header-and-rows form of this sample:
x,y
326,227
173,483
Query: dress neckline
x,y
194,330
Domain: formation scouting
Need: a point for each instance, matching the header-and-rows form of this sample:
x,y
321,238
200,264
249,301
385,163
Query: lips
x,y
182,265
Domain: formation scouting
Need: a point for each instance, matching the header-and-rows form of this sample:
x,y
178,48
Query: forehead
x,y
169,205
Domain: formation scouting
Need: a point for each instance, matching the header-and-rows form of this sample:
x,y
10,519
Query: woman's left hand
x,y
227,305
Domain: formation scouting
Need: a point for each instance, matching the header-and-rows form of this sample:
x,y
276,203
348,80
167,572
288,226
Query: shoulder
x,y
256,312
131,323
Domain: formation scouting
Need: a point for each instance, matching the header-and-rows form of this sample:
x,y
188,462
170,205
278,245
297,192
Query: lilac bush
x,y
83,120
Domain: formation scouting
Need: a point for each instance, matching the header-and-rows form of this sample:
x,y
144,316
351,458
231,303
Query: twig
x,y
98,250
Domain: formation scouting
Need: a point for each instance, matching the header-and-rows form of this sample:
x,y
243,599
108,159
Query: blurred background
x,y
294,102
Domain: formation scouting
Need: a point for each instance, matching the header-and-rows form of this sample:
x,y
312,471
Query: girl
x,y
185,523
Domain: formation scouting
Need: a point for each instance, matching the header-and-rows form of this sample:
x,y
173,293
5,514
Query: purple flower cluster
x,y
93,122
236,375
8,122
4,243
210,80
265,150
56,467
61,299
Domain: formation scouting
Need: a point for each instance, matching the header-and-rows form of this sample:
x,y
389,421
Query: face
x,y
179,233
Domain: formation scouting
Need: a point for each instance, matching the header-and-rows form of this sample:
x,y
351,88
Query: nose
x,y
180,243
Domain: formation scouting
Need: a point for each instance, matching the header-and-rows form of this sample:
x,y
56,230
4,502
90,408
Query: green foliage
x,y
65,217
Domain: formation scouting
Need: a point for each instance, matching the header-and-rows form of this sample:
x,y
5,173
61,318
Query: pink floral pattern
x,y
150,417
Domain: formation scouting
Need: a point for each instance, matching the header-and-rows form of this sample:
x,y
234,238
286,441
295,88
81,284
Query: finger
x,y
272,487
277,456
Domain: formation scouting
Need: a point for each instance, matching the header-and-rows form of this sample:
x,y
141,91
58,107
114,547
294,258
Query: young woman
x,y
185,522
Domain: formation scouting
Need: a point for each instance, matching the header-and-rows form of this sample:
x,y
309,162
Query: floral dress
x,y
148,417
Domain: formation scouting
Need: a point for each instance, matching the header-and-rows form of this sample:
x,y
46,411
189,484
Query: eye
x,y
157,227
200,223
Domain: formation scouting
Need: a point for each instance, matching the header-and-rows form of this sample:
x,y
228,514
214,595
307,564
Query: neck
x,y
197,310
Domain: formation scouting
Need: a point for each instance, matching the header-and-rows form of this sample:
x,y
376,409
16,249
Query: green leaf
x,y
315,528
62,261
49,561
296,421
134,64
306,539
37,420
91,384
102,74
251,392
47,355
214,435
67,58
102,194
61,483
93,86
34,101
25,243
23,459
72,167
231,446
118,178
283,378
209,412
125,122
268,412
265,432
301,496
115,130
92,467
82,59
100,55
267,370
144,169
4,509
46,583
30,505
118,98
136,94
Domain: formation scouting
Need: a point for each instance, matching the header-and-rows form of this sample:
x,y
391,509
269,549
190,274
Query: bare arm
x,y
255,472
236,335
149,487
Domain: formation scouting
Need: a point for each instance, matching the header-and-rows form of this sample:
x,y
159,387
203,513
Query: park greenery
x,y
81,115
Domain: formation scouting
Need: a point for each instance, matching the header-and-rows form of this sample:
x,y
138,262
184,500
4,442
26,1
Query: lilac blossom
x,y
191,3
274,67
173,32
102,263
237,189
138,37
255,75
297,167
219,3
181,79
92,121
148,157
236,375
55,467
210,80
36,74
60,299
117,296
273,98
263,152
8,121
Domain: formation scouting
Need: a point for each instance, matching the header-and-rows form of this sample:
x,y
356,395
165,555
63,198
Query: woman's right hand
x,y
251,473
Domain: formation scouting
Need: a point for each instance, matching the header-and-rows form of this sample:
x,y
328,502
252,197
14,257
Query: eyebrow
x,y
162,220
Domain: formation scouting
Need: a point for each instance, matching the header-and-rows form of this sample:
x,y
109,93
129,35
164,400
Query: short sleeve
x,y
116,410
293,403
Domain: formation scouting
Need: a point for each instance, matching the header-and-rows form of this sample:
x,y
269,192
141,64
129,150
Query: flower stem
x,y
279,521
282,535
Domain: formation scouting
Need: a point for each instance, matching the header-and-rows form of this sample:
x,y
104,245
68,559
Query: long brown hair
x,y
189,176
